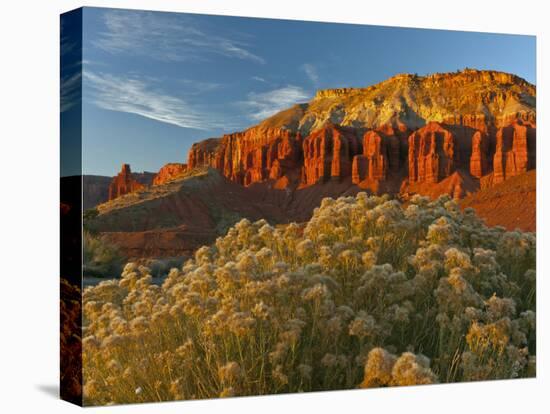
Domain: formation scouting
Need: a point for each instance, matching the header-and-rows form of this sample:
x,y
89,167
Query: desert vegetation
x,y
70,342
368,293
100,258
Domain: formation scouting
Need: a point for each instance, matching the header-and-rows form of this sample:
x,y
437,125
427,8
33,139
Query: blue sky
x,y
154,83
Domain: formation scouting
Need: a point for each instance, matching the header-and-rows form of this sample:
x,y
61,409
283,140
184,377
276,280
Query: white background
x,y
29,209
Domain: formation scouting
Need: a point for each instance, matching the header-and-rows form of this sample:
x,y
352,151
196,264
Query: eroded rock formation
x,y
380,157
515,151
420,129
328,153
455,133
203,153
480,158
433,154
250,156
168,172
123,183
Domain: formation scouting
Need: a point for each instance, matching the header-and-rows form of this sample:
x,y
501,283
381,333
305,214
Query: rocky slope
x,y
511,203
457,133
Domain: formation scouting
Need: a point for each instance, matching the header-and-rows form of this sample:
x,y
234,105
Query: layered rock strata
x,y
433,154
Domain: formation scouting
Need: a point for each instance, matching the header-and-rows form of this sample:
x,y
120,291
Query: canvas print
x,y
259,206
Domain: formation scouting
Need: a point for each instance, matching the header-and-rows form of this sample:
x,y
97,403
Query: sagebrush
x,y
368,293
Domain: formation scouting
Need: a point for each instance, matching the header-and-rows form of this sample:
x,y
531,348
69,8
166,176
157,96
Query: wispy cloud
x,y
265,104
136,96
68,40
70,90
258,78
71,69
167,38
195,87
311,72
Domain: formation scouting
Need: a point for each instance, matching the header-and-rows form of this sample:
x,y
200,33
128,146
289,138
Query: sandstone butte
x,y
127,182
443,133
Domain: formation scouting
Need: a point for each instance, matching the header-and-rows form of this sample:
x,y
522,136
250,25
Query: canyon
x,y
458,133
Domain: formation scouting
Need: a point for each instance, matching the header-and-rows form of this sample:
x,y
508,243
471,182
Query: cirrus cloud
x,y
167,38
135,95
311,72
264,104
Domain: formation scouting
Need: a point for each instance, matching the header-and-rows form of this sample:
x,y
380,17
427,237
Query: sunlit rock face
x,y
480,159
380,157
433,154
169,172
123,183
248,157
417,129
515,151
328,153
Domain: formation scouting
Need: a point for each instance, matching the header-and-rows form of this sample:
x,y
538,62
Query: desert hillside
x,y
512,204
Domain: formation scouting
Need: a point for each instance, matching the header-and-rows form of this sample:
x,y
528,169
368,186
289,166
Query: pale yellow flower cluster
x,y
385,369
367,293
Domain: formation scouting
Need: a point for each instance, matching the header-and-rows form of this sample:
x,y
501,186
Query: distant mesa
x,y
95,190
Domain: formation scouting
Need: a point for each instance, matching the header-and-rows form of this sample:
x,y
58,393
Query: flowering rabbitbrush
x,y
427,294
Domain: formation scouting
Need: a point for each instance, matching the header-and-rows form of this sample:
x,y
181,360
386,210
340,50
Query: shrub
x,y
367,293
88,221
101,259
161,267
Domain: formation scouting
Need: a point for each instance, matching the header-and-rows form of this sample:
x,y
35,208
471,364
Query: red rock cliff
x,y
203,153
470,106
380,157
250,156
328,153
433,154
515,151
168,172
480,158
